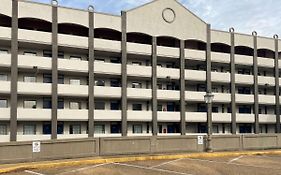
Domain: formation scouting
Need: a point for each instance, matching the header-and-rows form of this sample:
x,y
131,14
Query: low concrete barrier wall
x,y
75,148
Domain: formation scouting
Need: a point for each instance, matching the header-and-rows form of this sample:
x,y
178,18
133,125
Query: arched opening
x,y
73,29
220,47
168,41
5,21
139,38
110,34
243,50
266,53
195,44
35,24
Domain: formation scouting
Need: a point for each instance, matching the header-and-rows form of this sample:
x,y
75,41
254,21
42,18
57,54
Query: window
x,y
75,58
29,53
136,85
137,107
99,83
3,129
159,107
174,128
47,128
159,86
202,128
99,129
47,78
74,81
170,106
60,104
60,54
75,129
136,63
60,128
3,51
3,77
61,79
30,79
47,103
75,105
245,128
114,83
30,104
99,105
201,108
245,109
114,106
47,53
215,129
215,109
201,88
115,128
137,129
29,129
3,103
115,60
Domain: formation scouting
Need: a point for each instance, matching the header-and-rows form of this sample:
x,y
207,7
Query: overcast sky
x,y
263,16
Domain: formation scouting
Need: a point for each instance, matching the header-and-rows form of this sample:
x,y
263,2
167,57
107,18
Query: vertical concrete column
x,y
182,88
256,87
124,73
232,82
54,68
14,72
276,69
208,79
91,73
154,87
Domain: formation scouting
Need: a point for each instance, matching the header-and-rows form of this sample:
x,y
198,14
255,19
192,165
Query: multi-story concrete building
x,y
68,73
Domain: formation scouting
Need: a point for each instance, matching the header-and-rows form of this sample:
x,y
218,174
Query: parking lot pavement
x,y
239,165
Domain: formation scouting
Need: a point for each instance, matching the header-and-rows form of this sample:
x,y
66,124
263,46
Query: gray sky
x,y
263,16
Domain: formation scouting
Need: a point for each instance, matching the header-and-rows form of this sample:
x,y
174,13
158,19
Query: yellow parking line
x,y
47,165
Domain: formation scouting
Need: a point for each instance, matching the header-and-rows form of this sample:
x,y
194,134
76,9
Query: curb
x,y
47,165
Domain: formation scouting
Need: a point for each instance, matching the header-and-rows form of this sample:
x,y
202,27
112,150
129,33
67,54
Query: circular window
x,y
169,15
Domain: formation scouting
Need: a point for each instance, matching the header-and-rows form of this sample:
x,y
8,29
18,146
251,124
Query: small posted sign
x,y
200,140
36,147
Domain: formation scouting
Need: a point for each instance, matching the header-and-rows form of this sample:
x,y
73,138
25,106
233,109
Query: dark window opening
x,y
35,24
73,29
139,38
109,34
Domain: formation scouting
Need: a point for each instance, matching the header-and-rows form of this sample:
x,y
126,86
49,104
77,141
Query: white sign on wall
x,y
36,147
200,140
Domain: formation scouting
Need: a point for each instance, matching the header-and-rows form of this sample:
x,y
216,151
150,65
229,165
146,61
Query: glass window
x,y
60,54
3,51
47,128
61,79
60,128
215,129
170,106
114,106
3,129
47,103
30,53
115,60
75,129
99,129
137,107
99,105
3,103
75,105
137,129
114,83
159,86
60,104
136,85
47,53
75,58
3,77
159,107
99,83
30,79
74,81
29,129
115,128
47,78
30,104
245,128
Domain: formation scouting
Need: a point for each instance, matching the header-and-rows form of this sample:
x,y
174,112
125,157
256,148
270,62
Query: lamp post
x,y
208,100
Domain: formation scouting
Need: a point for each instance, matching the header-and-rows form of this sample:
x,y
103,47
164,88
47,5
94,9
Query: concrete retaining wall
x,y
61,149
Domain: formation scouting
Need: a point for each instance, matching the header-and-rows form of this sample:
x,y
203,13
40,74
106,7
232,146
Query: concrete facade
x,y
71,73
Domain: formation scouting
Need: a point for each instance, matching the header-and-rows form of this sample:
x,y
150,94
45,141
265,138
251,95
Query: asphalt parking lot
x,y
239,165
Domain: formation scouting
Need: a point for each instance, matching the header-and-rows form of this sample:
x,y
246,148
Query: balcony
x,y
267,99
35,36
168,95
28,62
168,116
107,92
220,57
221,117
136,48
194,96
244,79
107,45
72,90
244,60
107,115
222,97
21,138
220,77
72,41
245,118
5,33
107,68
168,72
5,114
266,80
244,98
25,88
72,136
196,117
135,116
195,54
137,93
5,87
25,114
72,65
195,75
265,62
267,118
72,115
5,60
168,51
139,71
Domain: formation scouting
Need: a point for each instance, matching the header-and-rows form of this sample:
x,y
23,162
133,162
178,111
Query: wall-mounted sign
x,y
36,147
200,140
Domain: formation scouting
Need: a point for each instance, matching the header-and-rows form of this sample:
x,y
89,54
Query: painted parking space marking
x,y
33,172
84,168
165,163
235,159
